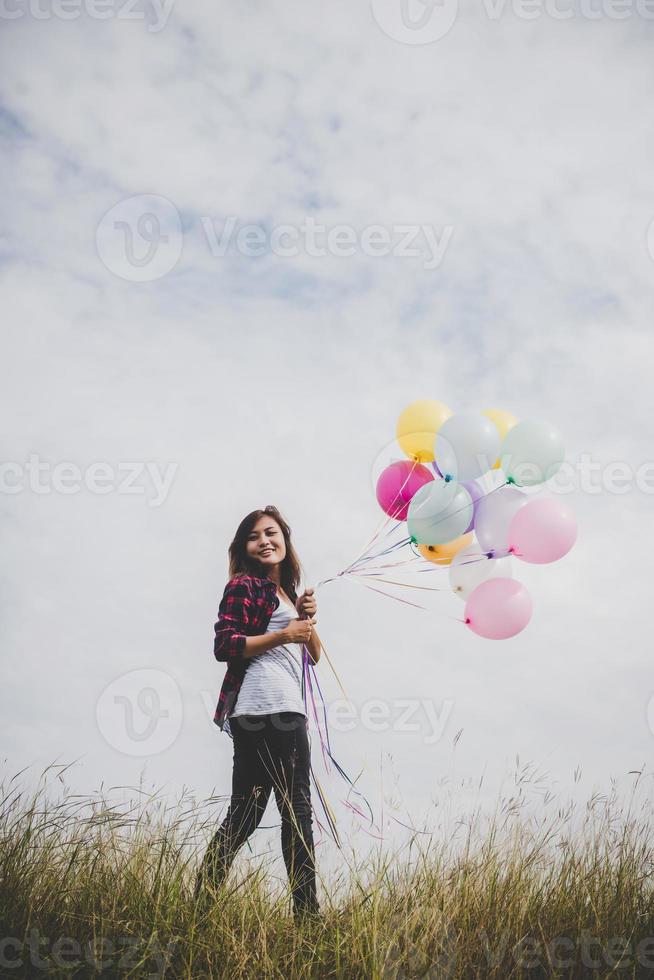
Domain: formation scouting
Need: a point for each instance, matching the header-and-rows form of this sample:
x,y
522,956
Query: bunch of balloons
x,y
455,523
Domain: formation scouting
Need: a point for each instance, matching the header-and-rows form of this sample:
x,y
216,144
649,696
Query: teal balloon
x,y
531,453
438,512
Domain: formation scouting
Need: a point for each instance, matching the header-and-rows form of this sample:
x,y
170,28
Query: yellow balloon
x,y
417,427
442,554
503,421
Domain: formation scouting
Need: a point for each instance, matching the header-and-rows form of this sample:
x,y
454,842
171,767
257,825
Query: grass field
x,y
91,889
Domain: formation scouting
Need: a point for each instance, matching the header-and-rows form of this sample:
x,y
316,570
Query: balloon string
x,y
315,715
397,598
329,661
387,533
326,751
384,539
372,570
432,566
332,578
327,732
406,585
388,549
456,619
387,517
361,561
395,546
324,741
436,566
446,517
329,747
408,562
327,810
307,669
459,509
375,571
364,557
353,572
350,806
405,563
380,554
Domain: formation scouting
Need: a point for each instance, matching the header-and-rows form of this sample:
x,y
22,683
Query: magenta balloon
x,y
498,608
476,493
542,531
397,484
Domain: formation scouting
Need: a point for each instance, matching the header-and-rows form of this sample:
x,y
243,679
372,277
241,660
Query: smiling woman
x,y
261,632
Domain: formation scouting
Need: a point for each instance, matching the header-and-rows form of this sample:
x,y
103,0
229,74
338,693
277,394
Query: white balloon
x,y
470,567
466,446
495,512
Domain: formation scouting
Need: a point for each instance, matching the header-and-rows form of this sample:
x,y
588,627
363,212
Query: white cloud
x,y
279,380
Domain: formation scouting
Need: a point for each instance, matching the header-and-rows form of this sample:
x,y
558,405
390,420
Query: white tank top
x,y
273,679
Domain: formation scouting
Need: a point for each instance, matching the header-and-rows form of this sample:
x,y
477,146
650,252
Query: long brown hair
x,y
240,563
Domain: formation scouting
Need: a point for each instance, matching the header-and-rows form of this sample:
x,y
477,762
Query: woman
x,y
262,625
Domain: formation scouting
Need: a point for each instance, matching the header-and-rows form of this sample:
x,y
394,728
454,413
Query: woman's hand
x,y
306,604
298,631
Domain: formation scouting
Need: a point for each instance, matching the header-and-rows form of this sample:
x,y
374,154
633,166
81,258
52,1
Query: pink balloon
x,y
543,530
395,487
498,608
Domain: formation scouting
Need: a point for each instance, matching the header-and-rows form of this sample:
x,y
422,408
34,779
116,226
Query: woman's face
x,y
266,543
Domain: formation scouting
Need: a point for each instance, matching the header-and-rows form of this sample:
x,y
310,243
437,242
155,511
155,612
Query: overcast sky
x,y
213,369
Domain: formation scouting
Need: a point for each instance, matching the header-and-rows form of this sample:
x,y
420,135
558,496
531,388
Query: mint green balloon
x,y
438,512
531,453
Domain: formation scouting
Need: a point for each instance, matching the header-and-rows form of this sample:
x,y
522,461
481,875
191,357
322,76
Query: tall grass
x,y
90,888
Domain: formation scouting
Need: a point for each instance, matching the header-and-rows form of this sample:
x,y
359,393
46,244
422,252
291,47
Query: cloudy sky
x,y
237,241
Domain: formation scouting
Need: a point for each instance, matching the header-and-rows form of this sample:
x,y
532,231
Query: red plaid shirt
x,y
245,610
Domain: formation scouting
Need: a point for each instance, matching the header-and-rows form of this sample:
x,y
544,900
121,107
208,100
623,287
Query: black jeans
x,y
270,752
